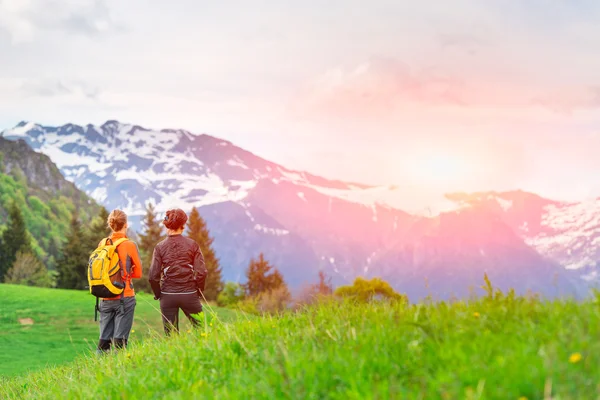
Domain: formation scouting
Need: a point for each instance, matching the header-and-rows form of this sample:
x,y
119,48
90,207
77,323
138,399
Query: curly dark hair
x,y
175,219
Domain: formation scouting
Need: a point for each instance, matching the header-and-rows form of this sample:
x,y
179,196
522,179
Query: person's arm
x,y
200,268
136,267
155,271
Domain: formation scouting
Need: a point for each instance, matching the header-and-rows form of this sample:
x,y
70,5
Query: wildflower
x,y
575,358
476,314
204,334
522,398
133,331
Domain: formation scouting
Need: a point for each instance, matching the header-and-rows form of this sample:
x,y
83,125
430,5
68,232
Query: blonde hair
x,y
117,220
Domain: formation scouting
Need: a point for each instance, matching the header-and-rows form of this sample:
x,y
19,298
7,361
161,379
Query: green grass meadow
x,y
63,326
496,347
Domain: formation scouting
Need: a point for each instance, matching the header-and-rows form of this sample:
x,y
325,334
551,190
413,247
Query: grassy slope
x,y
63,328
489,349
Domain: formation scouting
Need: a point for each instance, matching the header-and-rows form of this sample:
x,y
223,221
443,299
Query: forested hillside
x,y
47,201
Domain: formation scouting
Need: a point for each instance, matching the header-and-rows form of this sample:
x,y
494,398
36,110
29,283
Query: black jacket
x,y
177,267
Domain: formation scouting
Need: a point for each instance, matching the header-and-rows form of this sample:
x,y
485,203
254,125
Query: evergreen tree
x,y
72,263
99,226
153,234
15,238
198,231
258,279
98,229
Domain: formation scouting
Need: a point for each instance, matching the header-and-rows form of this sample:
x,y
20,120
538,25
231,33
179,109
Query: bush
x,y
248,305
367,290
308,296
276,300
28,270
272,302
232,294
315,293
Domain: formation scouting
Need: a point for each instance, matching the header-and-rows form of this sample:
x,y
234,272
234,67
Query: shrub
x,y
314,293
28,270
275,301
364,290
248,305
232,294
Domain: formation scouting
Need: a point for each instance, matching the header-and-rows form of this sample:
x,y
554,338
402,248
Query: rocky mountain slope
x,y
304,223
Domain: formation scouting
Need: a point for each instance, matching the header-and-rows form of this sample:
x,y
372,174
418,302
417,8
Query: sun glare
x,y
437,168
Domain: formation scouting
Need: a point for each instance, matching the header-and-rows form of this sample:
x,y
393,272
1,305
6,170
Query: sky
x,y
430,95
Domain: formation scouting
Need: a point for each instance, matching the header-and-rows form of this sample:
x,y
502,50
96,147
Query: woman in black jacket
x,y
177,273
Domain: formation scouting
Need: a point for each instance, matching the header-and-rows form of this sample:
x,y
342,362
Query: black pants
x,y
170,305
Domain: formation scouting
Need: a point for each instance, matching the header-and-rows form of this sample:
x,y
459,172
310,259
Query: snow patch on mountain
x,y
21,130
571,235
271,231
391,197
236,162
504,204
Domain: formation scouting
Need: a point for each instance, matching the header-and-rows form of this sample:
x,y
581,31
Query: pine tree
x,y
153,234
99,226
198,231
15,238
98,229
73,260
258,281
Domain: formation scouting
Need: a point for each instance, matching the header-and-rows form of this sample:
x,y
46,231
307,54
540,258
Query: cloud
x,y
569,100
23,20
377,87
57,88
294,81
468,42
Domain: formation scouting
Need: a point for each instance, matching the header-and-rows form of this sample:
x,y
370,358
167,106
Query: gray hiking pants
x,y
115,322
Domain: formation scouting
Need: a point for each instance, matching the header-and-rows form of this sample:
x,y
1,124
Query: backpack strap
x,y
119,241
122,300
96,309
124,271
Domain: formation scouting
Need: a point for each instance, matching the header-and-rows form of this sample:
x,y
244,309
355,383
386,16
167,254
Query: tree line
x,y
264,290
19,264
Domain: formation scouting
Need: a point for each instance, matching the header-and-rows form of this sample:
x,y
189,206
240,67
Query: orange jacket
x,y
130,259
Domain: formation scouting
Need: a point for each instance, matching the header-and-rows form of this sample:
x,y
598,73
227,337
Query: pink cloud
x,y
567,100
377,88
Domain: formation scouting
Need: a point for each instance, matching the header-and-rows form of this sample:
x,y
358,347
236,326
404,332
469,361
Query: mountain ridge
x,y
305,223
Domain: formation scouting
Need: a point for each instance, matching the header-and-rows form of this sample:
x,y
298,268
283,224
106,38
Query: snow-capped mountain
x,y
127,166
304,223
566,232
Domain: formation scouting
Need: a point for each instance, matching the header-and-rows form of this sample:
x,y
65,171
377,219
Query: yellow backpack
x,y
105,272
